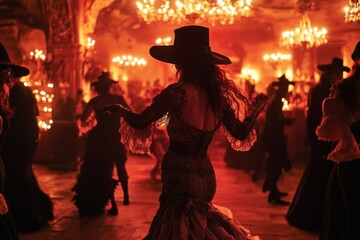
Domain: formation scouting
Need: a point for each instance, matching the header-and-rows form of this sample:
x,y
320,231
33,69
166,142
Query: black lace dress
x,y
95,184
189,183
7,224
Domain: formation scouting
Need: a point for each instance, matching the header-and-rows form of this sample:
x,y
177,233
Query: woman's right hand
x,y
259,102
3,206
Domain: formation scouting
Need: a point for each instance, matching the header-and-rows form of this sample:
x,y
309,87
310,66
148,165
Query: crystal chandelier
x,y
304,35
193,11
352,12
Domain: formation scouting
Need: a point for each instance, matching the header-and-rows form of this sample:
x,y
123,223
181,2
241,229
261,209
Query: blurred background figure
x,y
160,138
80,104
31,207
64,109
64,132
306,209
275,141
95,185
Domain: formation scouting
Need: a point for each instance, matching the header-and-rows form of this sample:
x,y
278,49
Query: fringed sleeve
x,y
241,134
136,132
138,141
336,127
331,128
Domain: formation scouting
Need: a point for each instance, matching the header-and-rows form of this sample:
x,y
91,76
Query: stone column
x,y
63,51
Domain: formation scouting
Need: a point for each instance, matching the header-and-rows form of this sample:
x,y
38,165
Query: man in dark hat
x,y
31,207
306,208
274,140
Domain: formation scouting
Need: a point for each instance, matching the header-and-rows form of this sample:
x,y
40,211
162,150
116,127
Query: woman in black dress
x,y
197,105
7,72
95,185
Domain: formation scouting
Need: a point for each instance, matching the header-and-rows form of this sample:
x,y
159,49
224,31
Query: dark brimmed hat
x,y
336,64
17,71
283,82
104,80
356,53
191,45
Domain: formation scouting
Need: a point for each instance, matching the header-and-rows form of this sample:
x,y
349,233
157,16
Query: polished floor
x,y
235,190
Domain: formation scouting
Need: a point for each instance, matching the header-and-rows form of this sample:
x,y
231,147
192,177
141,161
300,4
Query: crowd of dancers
x,y
176,128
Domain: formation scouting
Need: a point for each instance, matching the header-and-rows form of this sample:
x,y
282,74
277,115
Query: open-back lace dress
x,y
189,184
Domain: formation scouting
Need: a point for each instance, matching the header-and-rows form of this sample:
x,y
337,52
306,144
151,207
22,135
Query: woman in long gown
x,y
7,224
95,185
341,124
196,105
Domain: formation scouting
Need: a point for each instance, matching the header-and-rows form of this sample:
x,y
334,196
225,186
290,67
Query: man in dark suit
x,y
274,140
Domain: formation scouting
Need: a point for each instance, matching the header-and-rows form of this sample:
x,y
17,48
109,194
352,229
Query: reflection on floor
x,y
234,190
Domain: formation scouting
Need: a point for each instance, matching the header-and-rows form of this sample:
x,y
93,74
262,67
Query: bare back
x,y
198,112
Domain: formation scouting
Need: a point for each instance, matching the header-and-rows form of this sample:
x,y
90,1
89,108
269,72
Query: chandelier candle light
x,y
277,57
129,61
304,35
193,11
352,12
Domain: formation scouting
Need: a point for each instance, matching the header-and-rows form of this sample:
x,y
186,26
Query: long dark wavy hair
x,y
5,109
221,90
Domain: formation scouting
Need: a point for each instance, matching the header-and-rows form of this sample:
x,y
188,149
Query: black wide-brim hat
x,y
17,71
191,45
283,82
356,53
103,80
336,64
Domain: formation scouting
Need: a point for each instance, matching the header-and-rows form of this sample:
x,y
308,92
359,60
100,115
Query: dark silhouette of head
x,y
103,83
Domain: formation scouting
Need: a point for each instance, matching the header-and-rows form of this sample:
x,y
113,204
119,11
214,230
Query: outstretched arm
x,y
241,129
89,108
168,100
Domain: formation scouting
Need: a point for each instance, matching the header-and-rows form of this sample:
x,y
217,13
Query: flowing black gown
x,y
7,225
31,207
306,209
189,183
95,184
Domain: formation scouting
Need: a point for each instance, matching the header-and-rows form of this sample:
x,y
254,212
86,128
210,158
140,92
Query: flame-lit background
x,y
82,37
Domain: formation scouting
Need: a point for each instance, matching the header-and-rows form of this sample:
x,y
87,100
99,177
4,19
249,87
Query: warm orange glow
x,y
352,12
44,98
193,11
90,43
163,41
38,55
304,35
129,61
277,57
